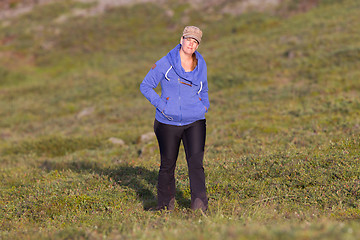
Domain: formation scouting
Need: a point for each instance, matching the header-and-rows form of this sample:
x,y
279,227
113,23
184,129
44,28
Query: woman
x,y
180,115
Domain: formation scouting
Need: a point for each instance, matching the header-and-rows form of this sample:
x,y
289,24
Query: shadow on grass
x,y
140,179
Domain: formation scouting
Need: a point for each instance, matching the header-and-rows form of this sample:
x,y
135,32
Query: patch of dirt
x,y
13,8
240,7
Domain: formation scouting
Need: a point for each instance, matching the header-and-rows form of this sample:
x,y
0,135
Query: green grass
x,y
282,149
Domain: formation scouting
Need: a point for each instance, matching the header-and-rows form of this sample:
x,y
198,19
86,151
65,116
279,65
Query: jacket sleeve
x,y
204,91
148,85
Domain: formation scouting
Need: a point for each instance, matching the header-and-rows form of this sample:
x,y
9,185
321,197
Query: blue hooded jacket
x,y
184,95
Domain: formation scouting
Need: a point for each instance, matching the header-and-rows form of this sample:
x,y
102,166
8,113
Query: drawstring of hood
x,y
167,73
200,87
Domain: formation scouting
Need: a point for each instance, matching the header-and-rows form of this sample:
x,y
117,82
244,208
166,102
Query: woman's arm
x,y
204,91
148,85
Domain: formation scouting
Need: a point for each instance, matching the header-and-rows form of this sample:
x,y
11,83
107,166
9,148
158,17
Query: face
x,y
189,45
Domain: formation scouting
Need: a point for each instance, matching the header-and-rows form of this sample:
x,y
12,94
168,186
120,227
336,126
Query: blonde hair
x,y
195,61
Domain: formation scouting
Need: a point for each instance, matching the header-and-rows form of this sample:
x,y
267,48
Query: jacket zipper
x,y
179,82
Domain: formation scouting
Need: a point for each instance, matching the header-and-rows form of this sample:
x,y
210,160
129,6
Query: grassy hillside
x,y
282,151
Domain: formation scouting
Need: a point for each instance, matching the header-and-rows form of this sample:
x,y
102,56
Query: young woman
x,y
180,116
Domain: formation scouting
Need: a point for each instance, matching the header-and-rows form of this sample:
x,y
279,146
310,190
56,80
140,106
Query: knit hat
x,y
192,32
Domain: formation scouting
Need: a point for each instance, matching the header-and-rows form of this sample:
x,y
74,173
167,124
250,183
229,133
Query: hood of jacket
x,y
194,76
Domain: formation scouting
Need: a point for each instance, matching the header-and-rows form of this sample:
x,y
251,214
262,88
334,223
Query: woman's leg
x,y
169,138
194,144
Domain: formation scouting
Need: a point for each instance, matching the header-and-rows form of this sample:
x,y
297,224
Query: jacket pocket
x,y
194,111
170,111
203,105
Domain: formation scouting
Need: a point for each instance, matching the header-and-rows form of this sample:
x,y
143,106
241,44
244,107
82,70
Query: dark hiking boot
x,y
198,204
169,207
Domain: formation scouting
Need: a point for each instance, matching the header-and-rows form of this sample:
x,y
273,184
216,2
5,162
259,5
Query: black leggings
x,y
193,138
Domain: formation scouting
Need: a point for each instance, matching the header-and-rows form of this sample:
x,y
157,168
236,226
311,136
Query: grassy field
x,y
282,151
